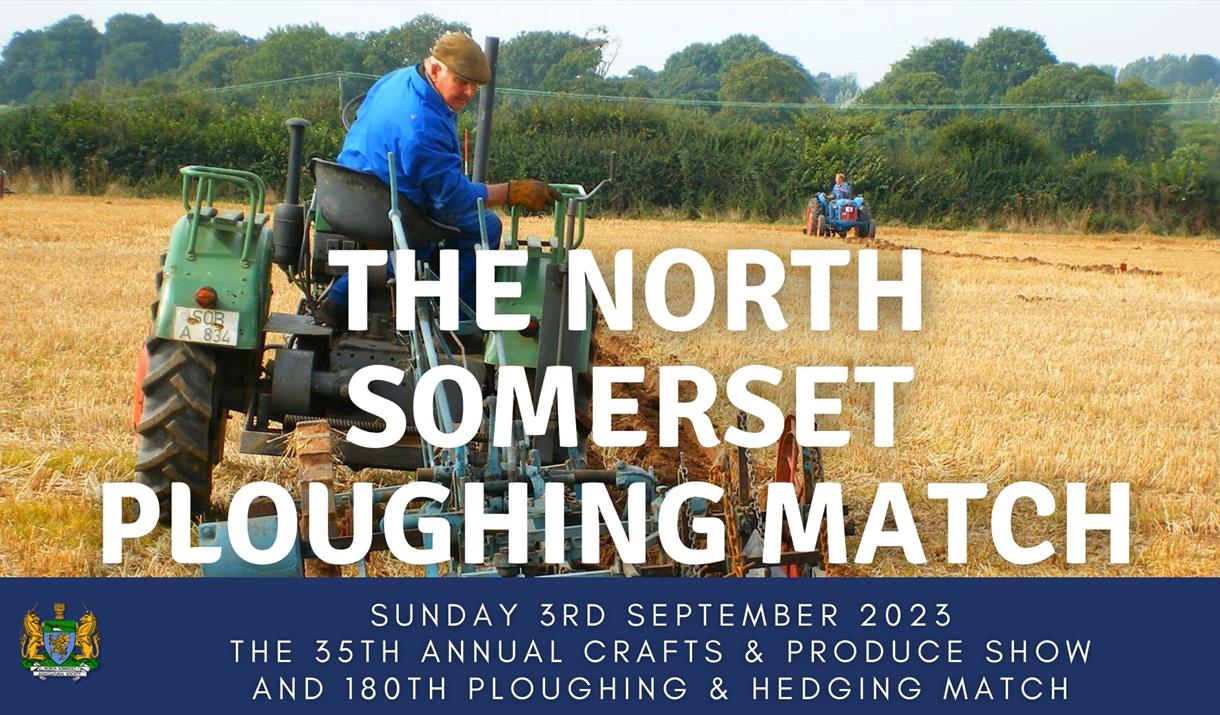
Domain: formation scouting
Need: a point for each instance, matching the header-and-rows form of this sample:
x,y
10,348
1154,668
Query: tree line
x,y
72,54
1030,157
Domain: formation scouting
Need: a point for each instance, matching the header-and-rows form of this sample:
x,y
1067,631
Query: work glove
x,y
531,194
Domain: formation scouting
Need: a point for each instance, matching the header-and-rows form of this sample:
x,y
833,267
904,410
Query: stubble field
x,y
1038,360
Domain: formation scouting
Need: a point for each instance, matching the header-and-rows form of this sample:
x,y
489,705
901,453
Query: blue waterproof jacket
x,y
405,114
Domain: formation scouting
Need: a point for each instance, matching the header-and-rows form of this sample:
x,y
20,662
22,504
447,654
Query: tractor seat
x,y
357,205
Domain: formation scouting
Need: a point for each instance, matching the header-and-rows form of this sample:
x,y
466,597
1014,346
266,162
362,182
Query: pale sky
x,y
837,37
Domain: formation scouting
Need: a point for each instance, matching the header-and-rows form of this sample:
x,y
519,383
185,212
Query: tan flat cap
x,y
463,55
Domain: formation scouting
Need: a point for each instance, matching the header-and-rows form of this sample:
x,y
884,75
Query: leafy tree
x,y
199,38
691,73
912,88
407,44
636,87
766,78
1204,135
837,89
136,47
980,165
1000,61
738,48
298,50
549,60
929,74
944,57
1185,78
642,72
1201,69
1166,71
696,71
967,139
1072,130
1129,131
637,83
69,54
19,68
126,64
215,67
1135,132
1204,101
576,71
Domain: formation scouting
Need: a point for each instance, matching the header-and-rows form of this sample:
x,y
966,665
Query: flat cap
x,y
462,54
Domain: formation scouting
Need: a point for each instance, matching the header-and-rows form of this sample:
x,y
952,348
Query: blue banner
x,y
608,645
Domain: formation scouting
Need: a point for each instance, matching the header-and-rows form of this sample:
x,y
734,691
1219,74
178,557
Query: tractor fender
x,y
216,262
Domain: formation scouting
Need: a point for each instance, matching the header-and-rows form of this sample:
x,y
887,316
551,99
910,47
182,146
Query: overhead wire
x,y
850,105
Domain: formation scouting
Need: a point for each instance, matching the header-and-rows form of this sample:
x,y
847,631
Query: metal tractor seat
x,y
357,205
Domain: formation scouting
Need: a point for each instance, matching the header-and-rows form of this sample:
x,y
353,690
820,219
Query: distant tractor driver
x,y
413,112
841,189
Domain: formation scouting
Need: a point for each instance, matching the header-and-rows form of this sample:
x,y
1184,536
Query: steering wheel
x,y
350,103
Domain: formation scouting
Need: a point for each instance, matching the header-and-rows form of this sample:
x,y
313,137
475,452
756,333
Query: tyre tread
x,y
174,429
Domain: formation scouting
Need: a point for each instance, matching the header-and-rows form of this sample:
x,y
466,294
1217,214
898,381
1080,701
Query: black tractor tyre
x,y
178,375
820,227
181,429
872,229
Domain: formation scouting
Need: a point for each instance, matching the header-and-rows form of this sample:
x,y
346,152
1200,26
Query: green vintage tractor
x,y
212,326
215,348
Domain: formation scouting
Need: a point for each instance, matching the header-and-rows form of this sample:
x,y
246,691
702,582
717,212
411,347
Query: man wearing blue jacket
x,y
413,112
841,189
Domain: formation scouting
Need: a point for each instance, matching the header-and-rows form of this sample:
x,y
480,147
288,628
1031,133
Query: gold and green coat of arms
x,y
58,647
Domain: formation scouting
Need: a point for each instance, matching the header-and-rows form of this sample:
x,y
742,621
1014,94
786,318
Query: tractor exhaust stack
x,y
296,145
288,231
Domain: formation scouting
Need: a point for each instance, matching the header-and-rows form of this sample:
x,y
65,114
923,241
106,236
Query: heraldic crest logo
x,y
58,647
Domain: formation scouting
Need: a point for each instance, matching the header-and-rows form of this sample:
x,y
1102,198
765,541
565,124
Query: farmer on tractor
x,y
838,212
841,189
412,112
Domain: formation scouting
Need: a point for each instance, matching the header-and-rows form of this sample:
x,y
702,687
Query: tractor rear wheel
x,y
872,229
178,418
181,427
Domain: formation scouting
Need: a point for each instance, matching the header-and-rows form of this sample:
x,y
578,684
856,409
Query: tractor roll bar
x,y
205,189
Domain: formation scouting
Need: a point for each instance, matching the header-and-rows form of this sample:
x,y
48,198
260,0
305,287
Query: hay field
x,y
1026,369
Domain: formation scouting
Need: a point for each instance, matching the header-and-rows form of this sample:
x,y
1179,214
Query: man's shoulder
x,y
402,74
393,87
406,89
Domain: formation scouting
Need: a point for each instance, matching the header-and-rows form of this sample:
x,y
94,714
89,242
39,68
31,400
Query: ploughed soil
x,y
621,350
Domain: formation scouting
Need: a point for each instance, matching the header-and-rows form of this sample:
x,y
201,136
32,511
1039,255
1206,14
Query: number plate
x,y
200,325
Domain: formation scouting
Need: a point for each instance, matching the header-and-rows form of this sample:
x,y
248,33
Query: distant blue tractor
x,y
825,216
